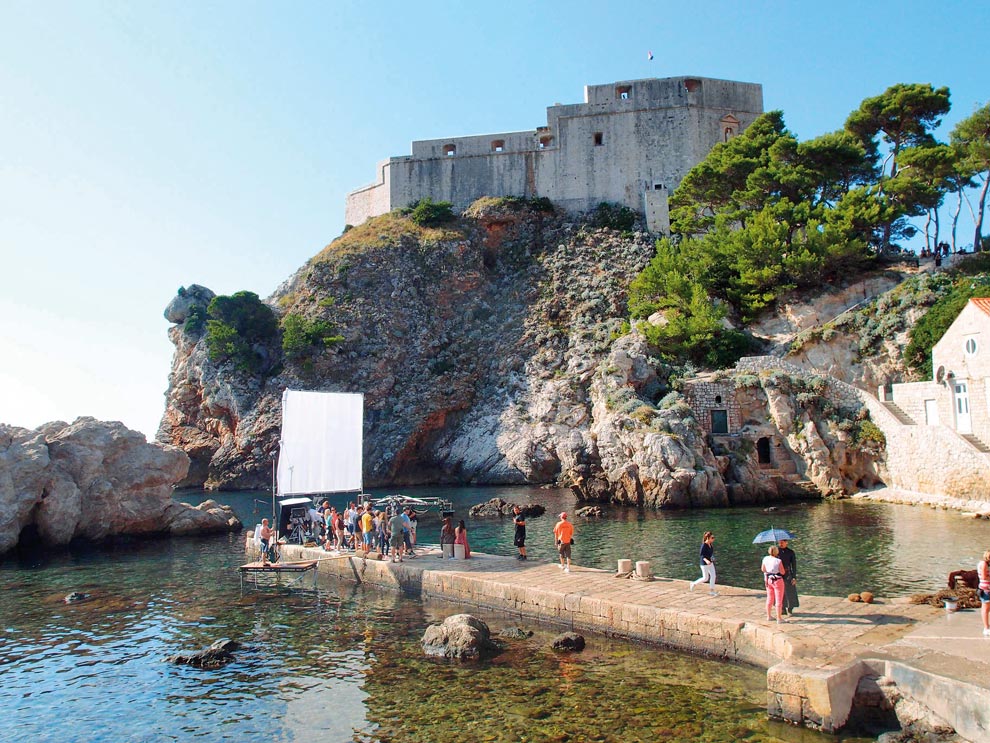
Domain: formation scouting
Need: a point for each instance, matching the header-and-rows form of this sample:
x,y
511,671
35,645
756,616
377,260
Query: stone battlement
x,y
630,142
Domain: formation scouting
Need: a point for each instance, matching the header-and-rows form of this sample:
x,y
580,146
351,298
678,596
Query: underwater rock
x,y
569,641
459,636
75,597
590,512
515,633
215,656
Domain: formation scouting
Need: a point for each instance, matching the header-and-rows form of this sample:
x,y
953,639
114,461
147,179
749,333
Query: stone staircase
x,y
976,442
896,411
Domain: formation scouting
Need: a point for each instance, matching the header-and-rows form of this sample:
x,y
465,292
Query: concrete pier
x,y
815,661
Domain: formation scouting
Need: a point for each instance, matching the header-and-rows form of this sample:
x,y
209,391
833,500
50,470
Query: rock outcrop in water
x,y
459,636
93,480
492,351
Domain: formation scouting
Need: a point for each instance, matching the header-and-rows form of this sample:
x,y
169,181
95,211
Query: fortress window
x,y
450,150
623,92
728,133
545,141
658,187
599,139
498,145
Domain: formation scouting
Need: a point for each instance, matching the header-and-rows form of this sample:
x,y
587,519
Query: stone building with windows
x,y
958,396
630,143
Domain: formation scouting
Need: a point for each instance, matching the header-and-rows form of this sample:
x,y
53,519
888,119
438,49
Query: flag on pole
x,y
649,56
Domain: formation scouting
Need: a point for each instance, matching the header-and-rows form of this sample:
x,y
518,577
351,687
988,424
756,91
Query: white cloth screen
x,y
321,442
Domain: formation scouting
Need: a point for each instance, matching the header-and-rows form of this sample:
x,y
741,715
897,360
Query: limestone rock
x,y
590,512
92,480
459,636
499,508
496,355
191,296
568,642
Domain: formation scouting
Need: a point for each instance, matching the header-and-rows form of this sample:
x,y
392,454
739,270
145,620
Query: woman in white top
x,y
773,579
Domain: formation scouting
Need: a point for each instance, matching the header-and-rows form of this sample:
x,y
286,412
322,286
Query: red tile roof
x,y
982,304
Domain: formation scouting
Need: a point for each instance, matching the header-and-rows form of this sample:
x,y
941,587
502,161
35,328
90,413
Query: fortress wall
x,y
370,201
650,139
477,144
461,179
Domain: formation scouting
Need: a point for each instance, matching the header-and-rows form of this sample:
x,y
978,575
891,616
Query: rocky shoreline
x,y
92,481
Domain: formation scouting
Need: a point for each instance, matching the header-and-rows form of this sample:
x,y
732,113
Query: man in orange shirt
x,y
563,534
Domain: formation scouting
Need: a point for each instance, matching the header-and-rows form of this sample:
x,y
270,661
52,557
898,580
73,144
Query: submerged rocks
x,y
459,636
516,633
217,655
590,512
93,480
570,642
498,508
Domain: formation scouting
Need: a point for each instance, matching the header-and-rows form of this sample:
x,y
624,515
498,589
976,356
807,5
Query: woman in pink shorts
x,y
773,578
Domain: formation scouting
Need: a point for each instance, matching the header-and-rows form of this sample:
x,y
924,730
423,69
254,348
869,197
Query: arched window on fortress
x,y
545,141
730,127
449,150
623,92
498,145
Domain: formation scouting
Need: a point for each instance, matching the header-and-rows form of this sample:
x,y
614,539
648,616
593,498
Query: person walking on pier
x,y
707,557
983,572
520,537
563,534
789,559
773,578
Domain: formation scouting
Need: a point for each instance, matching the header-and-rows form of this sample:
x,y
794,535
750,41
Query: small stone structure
x,y
630,142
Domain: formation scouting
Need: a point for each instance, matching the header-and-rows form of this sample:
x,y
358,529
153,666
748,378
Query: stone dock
x,y
832,653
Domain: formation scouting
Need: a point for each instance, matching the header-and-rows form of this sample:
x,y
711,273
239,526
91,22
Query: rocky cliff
x,y
492,350
93,480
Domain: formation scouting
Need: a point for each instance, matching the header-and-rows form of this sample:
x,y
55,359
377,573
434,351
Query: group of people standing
x,y
779,569
390,533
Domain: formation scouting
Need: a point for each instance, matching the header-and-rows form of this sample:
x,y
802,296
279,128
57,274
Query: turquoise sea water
x,y
342,663
842,546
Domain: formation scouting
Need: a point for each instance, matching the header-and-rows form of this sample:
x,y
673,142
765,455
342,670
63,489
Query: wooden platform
x,y
278,567
271,573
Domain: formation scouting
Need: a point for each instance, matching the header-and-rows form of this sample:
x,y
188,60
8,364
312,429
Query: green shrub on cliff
x,y
301,337
430,213
237,325
693,328
613,217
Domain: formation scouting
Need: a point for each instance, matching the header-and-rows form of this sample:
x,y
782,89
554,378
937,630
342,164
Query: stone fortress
x,y
630,143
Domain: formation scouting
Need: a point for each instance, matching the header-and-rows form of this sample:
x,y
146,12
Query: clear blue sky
x,y
150,145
